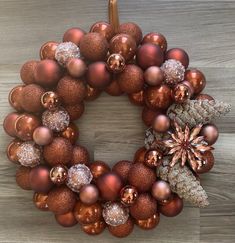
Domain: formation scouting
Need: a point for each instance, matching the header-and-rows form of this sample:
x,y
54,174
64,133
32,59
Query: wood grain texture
x,y
111,127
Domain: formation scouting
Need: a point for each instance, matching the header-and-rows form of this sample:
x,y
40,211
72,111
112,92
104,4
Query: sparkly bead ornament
x,y
115,58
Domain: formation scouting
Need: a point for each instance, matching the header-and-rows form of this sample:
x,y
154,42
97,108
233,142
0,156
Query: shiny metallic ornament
x,y
116,63
50,100
59,174
128,195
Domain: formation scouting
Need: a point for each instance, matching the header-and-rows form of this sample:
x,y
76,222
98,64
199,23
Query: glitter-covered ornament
x,y
29,154
173,71
66,50
78,176
57,120
115,214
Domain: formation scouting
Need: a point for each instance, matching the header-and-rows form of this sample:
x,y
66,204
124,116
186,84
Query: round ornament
x,y
59,174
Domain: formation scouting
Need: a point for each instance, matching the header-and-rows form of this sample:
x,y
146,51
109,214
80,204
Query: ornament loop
x,y
113,14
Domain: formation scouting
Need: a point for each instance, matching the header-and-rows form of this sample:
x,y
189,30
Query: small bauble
x,y
50,100
76,67
204,97
141,177
31,98
114,89
161,123
42,136
89,194
150,223
80,155
109,186
128,195
39,178
71,133
92,93
156,39
98,75
98,168
181,93
40,201
75,111
131,80
115,214
153,76
122,230
14,97
153,158
73,35
103,28
116,63
123,44
94,47
12,149
57,120
22,177
189,85
59,174
78,176
179,55
210,133
48,49
71,91
139,156
207,164
95,228
59,151
161,190
27,72
137,98
148,116
87,214
65,51
149,55
9,124
144,207
66,220
61,200
122,168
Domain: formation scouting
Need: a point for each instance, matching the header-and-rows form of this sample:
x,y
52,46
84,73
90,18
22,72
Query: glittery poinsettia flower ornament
x,y
187,145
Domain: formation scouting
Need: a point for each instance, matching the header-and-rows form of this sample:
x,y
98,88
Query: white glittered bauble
x,y
57,120
29,154
173,71
66,50
115,214
78,176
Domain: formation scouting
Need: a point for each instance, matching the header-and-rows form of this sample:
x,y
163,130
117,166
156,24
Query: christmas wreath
x,y
116,59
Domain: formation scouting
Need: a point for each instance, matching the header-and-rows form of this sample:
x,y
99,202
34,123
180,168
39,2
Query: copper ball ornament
x,y
80,155
153,76
131,80
197,80
14,97
181,93
98,168
27,72
47,51
158,98
40,201
87,214
179,55
59,151
122,168
71,133
76,67
103,28
207,164
59,174
124,45
113,88
156,39
94,47
150,223
109,185
42,135
23,177
173,208
12,149
94,228
89,194
144,207
116,63
98,76
148,116
149,55
50,100
153,158
161,190
210,133
73,35
128,195
61,200
141,177
137,98
66,220
161,123
204,97
122,230
75,111
139,156
9,124
92,93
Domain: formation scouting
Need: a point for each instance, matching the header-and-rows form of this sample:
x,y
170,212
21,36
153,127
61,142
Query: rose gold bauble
x,y
141,177
148,116
89,194
87,214
66,220
156,39
153,158
14,97
179,55
113,88
98,168
166,201
59,174
173,208
80,155
122,230
210,133
9,124
95,228
149,55
181,93
75,111
22,177
71,133
189,85
128,195
42,135
12,149
158,98
161,123
137,98
76,67
50,100
161,190
122,168
150,223
103,28
27,72
139,156
131,80
109,186
48,49
197,80
116,63
208,163
40,179
123,44
25,126
92,93
204,97
40,201
153,76
94,47
73,35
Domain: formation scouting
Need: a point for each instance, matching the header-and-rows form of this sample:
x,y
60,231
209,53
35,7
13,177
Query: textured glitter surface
x,y
173,71
57,120
115,214
66,50
78,176
28,154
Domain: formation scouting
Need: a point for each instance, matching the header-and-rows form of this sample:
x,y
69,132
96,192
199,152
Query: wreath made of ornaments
x,y
116,59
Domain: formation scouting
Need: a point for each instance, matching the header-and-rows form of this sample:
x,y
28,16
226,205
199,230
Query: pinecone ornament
x,y
196,112
183,182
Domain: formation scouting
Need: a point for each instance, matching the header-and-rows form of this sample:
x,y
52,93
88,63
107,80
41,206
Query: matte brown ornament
x,y
103,28
122,230
148,116
40,201
47,51
12,149
89,194
137,98
75,111
161,123
66,220
179,55
76,67
207,164
128,195
22,177
9,124
139,156
94,228
42,135
80,155
197,80
150,223
74,35
114,89
71,133
27,72
98,168
153,76
156,39
14,97
92,93
204,97
122,169
50,100
210,133
161,190
153,158
59,174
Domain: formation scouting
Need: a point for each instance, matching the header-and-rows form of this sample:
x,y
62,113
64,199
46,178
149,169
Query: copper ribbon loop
x,y
113,14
